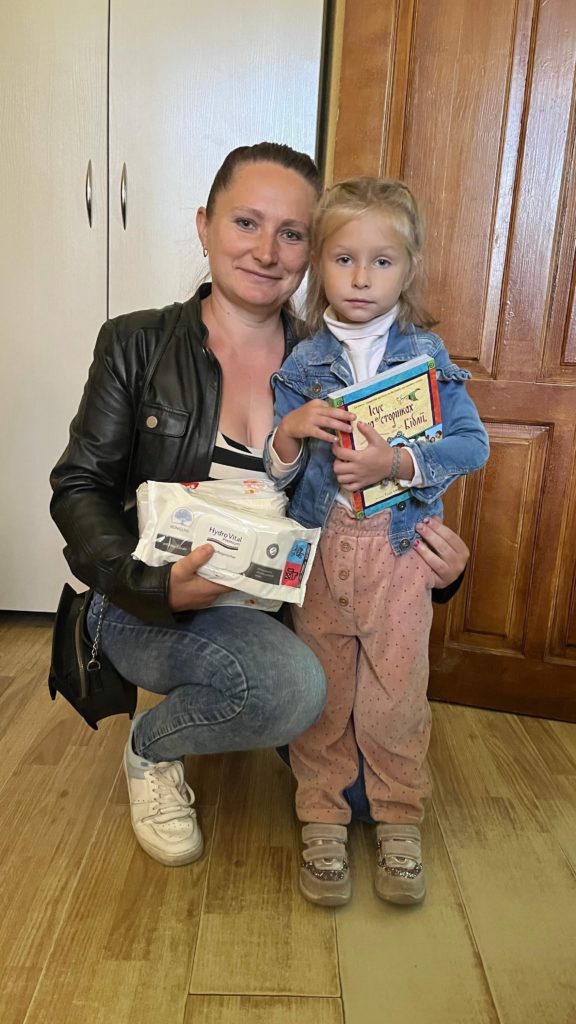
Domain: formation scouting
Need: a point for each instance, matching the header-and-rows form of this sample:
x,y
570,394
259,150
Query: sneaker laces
x,y
175,798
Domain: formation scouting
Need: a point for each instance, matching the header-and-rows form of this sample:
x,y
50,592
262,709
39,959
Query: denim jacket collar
x,y
325,350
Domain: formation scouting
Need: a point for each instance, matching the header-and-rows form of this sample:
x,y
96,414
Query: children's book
x,y
401,404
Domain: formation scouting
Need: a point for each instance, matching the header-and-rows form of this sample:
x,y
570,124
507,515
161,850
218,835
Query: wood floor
x,y
92,931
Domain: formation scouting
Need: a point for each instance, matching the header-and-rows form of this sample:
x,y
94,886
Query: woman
x,y
204,414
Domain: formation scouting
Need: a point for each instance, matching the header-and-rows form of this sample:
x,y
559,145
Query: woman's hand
x,y
187,591
442,549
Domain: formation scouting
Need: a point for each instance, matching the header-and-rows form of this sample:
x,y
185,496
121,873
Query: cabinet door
x,y
188,82
52,266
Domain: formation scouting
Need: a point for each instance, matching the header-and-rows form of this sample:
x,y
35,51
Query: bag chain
x,y
94,665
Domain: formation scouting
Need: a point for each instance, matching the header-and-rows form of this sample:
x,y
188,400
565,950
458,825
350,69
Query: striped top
x,y
232,459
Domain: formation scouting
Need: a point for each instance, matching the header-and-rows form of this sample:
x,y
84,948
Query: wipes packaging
x,y
264,556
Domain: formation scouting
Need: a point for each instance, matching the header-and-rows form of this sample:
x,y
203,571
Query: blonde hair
x,y
350,199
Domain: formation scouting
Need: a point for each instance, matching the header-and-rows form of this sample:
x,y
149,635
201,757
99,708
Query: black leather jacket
x,y
129,429
123,435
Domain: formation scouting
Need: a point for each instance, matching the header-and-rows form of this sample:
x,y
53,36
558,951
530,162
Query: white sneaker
x,y
161,805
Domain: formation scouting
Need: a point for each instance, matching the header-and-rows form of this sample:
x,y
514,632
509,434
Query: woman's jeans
x,y
233,679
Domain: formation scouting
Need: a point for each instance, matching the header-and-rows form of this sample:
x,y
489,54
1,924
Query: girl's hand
x,y
187,591
313,419
442,549
363,467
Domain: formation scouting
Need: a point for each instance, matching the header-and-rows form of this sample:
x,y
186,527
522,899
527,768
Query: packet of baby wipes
x,y
264,556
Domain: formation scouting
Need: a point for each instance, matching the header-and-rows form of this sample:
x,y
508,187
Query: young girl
x,y
367,612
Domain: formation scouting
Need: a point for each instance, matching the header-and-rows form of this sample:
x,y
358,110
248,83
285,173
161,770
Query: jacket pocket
x,y
159,419
160,431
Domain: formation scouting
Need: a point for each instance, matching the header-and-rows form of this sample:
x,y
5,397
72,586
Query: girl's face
x,y
364,267
258,237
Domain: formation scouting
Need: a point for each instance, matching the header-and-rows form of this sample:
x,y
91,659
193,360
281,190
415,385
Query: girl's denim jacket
x,y
317,367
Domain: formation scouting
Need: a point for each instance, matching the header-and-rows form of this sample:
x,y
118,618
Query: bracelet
x,y
395,466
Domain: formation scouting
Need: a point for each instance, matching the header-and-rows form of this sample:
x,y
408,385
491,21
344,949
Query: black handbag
x,y
79,670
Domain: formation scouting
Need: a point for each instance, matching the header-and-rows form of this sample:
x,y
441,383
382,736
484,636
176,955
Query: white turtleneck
x,y
364,344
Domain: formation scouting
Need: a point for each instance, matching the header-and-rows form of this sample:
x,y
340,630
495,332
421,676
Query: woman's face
x,y
258,237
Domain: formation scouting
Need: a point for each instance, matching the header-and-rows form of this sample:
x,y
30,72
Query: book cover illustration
x,y
402,404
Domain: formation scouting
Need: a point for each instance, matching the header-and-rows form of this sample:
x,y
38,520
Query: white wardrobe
x,y
114,117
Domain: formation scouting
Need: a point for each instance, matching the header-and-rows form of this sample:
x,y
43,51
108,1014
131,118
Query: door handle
x,y
124,195
88,192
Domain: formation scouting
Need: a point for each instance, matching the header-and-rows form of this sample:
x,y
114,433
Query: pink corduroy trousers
x,y
367,616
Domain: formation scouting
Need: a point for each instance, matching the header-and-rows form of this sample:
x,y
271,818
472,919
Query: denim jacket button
x,y
404,545
316,387
401,506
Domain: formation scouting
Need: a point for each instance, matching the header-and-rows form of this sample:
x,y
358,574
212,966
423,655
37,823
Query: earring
x,y
204,251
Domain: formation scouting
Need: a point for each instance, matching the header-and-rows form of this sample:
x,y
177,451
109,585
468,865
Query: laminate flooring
x,y
92,931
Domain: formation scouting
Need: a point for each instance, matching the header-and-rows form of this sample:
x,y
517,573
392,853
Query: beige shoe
x,y
324,874
399,875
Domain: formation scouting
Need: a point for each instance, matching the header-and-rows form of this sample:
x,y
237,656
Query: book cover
x,y
402,404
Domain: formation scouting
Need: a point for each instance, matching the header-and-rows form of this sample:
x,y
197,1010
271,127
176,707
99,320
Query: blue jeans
x,y
233,679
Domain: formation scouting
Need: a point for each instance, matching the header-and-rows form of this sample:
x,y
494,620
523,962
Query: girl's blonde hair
x,y
350,199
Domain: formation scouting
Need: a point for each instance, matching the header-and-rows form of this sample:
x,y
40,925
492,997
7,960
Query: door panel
x,y
474,106
494,613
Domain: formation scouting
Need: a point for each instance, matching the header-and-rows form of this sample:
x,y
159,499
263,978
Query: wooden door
x,y
188,83
53,62
474,105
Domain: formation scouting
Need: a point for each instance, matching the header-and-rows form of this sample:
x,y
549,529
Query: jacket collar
x,y
192,310
325,348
